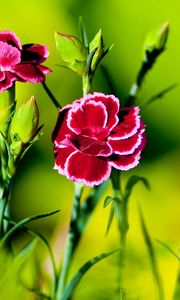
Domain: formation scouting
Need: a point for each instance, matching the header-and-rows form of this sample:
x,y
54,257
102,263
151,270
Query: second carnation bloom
x,y
93,134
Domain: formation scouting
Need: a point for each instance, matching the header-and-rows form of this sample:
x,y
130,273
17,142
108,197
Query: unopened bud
x,y
156,40
25,122
72,51
7,100
96,43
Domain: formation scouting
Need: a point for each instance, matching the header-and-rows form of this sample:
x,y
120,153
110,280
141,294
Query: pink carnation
x,y
93,134
20,62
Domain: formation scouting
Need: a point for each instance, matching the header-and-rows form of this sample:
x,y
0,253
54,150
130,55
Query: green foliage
x,y
79,275
152,257
24,125
7,101
72,51
132,181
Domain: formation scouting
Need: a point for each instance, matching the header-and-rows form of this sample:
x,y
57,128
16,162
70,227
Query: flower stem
x,y
71,242
86,83
5,192
120,207
51,96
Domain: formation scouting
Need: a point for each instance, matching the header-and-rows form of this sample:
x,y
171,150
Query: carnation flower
x,y
93,134
20,62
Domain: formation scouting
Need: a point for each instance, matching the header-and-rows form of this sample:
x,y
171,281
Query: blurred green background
x,y
38,188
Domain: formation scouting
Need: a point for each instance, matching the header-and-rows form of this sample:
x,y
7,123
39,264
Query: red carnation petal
x,y
61,130
62,156
87,169
91,115
10,38
126,162
7,82
2,76
9,56
127,146
129,123
43,69
112,106
29,73
34,53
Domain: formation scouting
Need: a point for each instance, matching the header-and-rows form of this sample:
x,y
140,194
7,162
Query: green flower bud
x,y
7,100
97,43
24,124
156,40
72,51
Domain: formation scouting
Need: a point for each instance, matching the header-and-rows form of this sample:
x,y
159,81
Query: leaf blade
x,y
78,276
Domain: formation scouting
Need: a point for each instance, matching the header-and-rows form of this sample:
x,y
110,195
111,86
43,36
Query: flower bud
x,y
96,43
156,40
7,99
25,122
72,51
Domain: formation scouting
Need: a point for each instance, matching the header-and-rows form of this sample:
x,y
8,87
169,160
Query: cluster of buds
x,y
75,53
18,130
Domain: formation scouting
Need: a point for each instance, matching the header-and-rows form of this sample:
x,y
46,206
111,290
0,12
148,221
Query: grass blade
x,y
83,32
161,94
176,295
24,222
169,249
78,276
152,258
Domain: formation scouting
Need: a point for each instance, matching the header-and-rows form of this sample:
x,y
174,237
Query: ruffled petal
x,y
10,38
87,169
111,103
2,76
125,162
62,155
61,129
91,115
9,56
129,123
43,69
34,53
29,73
7,82
127,146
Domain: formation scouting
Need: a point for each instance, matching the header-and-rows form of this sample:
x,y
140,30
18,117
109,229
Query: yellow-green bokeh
x,y
38,188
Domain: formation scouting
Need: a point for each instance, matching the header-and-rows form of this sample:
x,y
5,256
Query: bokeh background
x,y
38,188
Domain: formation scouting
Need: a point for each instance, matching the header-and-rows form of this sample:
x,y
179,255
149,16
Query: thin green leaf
x,y
25,252
132,181
87,70
79,275
83,32
161,94
109,80
110,219
37,292
23,222
152,257
107,201
45,242
176,295
169,249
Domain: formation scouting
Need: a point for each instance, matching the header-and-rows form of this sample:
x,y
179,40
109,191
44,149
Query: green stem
x,y
71,243
3,207
145,68
120,207
86,83
51,96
